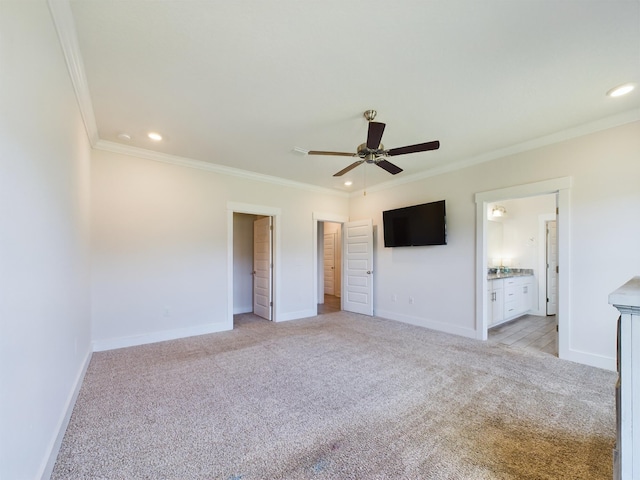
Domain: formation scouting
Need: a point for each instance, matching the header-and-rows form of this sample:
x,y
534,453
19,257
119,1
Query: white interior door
x,y
329,263
358,267
552,268
262,267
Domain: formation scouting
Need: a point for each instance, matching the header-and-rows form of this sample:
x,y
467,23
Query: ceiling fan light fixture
x,y
621,90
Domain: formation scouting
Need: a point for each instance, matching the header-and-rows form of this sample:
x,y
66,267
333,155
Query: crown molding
x,y
143,153
612,121
66,29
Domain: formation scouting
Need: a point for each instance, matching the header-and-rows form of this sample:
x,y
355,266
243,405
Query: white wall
x,y
604,232
520,229
44,261
160,247
495,240
243,262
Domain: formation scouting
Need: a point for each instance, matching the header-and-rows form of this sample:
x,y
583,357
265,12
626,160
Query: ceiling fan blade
x,y
337,154
374,137
420,147
350,167
389,167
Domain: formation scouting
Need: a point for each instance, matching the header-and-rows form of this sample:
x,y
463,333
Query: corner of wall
x,y
47,468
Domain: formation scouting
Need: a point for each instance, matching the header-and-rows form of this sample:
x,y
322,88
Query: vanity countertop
x,y
510,274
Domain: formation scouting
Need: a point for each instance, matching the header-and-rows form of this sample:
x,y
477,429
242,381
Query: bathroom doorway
x,y
517,244
560,188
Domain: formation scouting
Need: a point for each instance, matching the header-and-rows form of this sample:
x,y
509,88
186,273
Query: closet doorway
x,y
329,267
252,265
253,246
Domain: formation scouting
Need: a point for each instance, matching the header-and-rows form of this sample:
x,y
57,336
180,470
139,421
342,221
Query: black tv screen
x,y
414,226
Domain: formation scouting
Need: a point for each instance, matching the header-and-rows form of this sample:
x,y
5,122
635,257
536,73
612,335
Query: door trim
x,y
276,214
322,217
561,187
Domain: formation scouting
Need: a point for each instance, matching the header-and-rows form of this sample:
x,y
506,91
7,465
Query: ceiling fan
x,y
373,151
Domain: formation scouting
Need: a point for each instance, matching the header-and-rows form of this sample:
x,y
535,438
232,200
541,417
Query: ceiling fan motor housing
x,y
369,155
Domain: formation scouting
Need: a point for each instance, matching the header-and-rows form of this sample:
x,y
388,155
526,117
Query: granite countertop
x,y
514,272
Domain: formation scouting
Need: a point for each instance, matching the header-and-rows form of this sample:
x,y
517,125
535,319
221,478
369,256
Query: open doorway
x,y
559,187
329,267
356,288
518,247
252,265
334,224
253,246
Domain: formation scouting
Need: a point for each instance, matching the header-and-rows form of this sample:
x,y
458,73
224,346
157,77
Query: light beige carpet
x,y
341,396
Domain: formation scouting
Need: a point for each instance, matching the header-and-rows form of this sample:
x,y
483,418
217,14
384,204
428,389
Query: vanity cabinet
x,y
509,298
495,301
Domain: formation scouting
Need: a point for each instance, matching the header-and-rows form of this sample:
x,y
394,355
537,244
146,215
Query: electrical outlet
x,y
410,300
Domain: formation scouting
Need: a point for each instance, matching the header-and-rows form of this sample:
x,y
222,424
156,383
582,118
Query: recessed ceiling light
x,y
154,136
621,90
348,183
124,136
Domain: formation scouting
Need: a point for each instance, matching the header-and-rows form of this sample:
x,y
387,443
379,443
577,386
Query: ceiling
x,y
240,84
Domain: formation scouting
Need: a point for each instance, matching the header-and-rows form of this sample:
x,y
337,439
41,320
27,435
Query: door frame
x,y
562,188
324,217
275,214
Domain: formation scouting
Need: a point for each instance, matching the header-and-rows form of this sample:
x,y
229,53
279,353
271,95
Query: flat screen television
x,y
416,225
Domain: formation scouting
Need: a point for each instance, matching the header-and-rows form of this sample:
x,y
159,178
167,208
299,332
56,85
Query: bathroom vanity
x,y
509,296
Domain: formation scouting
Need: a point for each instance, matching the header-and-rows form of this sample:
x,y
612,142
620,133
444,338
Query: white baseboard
x,y
593,360
47,468
426,323
162,336
284,317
